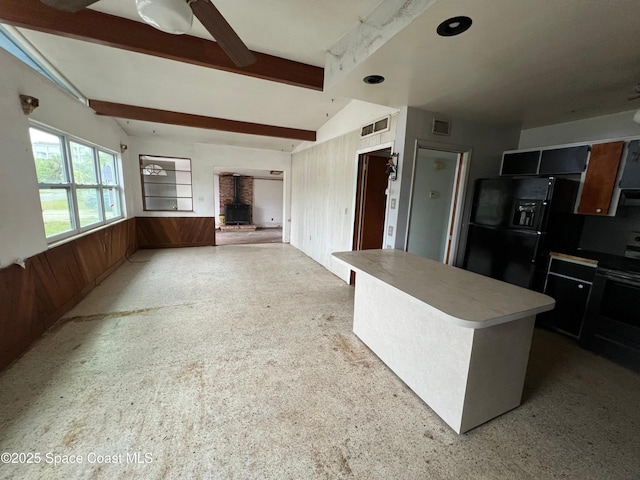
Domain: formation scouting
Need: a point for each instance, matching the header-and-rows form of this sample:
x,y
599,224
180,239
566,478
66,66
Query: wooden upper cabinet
x,y
600,178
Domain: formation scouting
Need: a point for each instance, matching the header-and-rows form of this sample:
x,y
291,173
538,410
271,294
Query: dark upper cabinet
x,y
520,163
631,172
562,161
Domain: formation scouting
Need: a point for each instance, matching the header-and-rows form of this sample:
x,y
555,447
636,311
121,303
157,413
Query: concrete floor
x,y
238,362
261,235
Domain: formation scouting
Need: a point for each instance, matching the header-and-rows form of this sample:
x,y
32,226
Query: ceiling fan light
x,y
171,16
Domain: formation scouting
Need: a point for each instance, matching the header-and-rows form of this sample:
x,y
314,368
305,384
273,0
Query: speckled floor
x,y
238,362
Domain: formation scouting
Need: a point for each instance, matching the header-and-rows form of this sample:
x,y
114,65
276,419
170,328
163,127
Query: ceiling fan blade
x,y
69,5
222,32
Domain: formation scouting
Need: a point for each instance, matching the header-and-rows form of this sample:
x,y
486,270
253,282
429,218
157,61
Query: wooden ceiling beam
x,y
132,112
118,32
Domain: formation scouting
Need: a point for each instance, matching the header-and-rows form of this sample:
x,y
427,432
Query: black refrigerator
x,y
515,222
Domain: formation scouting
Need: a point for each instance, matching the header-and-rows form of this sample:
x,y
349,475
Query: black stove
x,y
612,321
612,262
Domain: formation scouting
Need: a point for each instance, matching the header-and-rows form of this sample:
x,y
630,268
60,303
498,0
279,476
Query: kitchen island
x,y
459,340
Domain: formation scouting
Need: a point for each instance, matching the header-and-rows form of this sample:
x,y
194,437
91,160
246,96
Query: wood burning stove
x,y
237,213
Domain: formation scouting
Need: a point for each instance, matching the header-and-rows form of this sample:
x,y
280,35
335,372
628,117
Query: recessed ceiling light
x,y
373,79
454,26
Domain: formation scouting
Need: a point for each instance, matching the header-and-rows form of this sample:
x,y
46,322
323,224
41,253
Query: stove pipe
x,y
236,190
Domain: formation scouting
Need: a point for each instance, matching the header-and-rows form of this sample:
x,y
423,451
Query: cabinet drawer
x,y
573,270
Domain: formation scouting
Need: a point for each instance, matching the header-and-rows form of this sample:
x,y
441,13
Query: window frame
x,y
72,187
161,158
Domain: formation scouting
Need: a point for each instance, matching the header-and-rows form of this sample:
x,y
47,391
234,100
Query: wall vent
x,y
378,126
441,127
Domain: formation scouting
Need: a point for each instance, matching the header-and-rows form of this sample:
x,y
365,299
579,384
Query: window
x,y
79,184
17,45
166,183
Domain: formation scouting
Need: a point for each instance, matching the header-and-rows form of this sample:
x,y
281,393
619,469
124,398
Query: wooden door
x,y
600,178
371,202
374,202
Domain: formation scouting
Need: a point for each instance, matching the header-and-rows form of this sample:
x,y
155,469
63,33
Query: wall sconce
x,y
392,168
29,104
123,148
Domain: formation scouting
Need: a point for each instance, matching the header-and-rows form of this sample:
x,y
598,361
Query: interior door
x,y
435,181
371,201
374,202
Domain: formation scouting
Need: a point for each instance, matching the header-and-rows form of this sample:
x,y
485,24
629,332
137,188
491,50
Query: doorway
x,y
371,201
436,198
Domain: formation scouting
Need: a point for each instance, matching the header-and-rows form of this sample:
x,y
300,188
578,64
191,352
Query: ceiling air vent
x,y
441,127
378,126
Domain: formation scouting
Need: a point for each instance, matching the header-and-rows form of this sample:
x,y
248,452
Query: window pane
x,y
84,167
160,190
183,164
47,152
183,177
56,211
183,191
156,203
89,208
111,203
185,204
107,168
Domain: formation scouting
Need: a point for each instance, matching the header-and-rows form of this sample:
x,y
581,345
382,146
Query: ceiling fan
x,y
175,16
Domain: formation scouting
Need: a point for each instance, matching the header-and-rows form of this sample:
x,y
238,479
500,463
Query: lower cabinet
x,y
569,283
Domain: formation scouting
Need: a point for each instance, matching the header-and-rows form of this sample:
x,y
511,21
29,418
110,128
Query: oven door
x,y
612,322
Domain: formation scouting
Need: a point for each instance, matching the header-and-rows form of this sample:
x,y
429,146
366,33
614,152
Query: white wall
x,y
487,142
353,116
323,195
21,226
204,157
267,202
606,127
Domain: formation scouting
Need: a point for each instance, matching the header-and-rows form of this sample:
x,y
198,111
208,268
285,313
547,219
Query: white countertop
x,y
471,300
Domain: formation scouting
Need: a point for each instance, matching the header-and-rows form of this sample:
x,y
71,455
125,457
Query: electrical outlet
x,y
393,203
390,230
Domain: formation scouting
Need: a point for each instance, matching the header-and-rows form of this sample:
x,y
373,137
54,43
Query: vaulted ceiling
x,y
524,62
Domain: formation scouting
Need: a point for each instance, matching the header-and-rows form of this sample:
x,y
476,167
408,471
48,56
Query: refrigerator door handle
x,y
537,251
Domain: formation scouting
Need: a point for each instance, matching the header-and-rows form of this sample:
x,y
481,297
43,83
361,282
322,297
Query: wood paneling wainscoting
x,y
34,298
168,232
